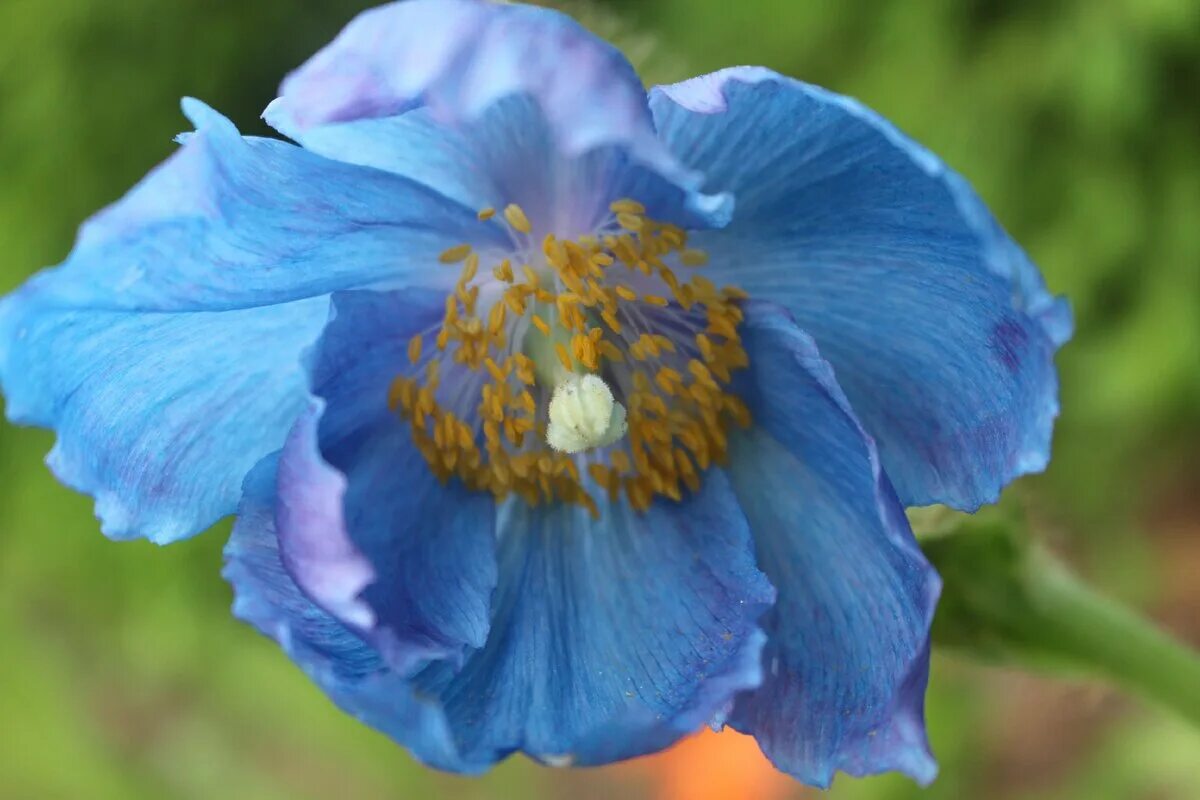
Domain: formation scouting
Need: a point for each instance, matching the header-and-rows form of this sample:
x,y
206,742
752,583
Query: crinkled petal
x,y
159,416
939,327
233,222
611,637
846,661
364,525
335,656
157,350
458,57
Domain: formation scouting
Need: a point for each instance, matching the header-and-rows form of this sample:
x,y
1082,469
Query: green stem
x,y
1109,639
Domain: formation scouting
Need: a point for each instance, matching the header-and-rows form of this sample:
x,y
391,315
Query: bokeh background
x,y
122,674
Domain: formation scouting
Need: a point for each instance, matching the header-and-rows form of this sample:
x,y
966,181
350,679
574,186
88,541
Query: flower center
x,y
591,367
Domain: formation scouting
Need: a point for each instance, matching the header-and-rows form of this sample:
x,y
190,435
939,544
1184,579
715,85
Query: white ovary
x,y
583,415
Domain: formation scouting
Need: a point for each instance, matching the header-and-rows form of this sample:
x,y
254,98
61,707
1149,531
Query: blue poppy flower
x,y
536,441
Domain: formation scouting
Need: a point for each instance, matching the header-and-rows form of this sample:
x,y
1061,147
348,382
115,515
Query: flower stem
x,y
1006,598
1110,640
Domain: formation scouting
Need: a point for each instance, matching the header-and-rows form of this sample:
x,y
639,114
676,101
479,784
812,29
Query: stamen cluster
x,y
609,305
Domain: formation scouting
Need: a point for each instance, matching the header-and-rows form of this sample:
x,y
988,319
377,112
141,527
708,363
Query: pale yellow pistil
x,y
565,342
583,415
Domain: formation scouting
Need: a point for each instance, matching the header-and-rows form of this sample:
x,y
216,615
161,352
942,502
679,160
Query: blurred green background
x,y
122,674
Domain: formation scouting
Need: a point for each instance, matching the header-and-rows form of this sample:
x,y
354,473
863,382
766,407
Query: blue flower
x,y
536,442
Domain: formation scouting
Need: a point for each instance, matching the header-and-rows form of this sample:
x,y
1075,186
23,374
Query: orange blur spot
x,y
716,766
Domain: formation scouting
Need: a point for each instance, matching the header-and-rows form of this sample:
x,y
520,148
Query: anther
x,y
517,219
455,254
627,206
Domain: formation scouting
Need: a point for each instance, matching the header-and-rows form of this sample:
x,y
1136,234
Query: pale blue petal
x,y
157,350
232,222
159,416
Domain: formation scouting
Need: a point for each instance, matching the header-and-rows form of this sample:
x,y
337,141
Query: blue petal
x,y
233,222
847,658
507,154
940,328
607,649
360,509
155,350
346,667
610,638
458,57
159,416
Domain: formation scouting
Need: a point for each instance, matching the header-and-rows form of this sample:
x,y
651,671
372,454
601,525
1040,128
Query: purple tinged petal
x,y
458,58
335,657
310,520
365,527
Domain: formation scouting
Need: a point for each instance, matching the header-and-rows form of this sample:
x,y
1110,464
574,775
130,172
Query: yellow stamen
x,y
496,318
517,219
455,254
470,267
563,355
630,222
514,301
497,373
627,206
610,351
503,271
531,276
